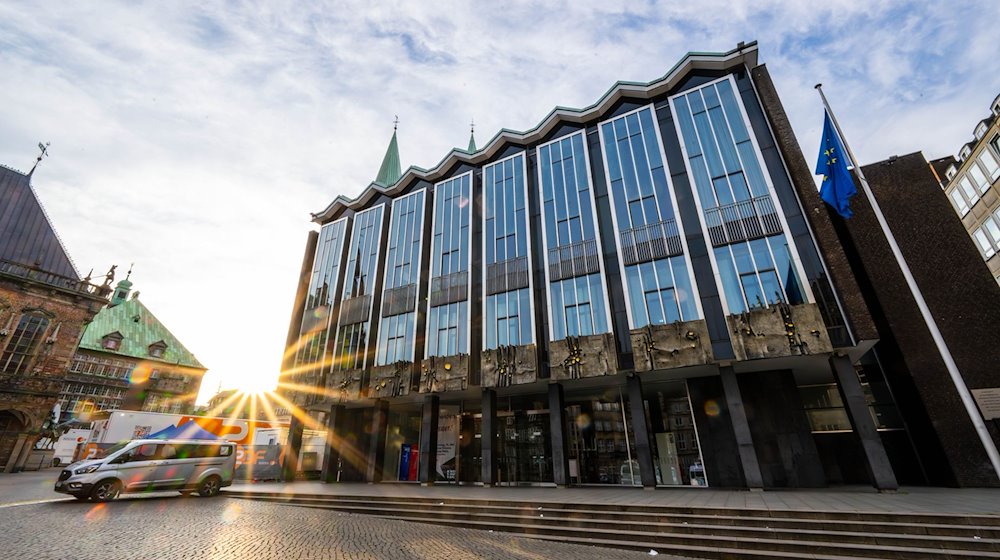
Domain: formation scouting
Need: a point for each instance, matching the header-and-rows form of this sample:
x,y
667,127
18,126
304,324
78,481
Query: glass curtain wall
x,y
649,236
397,329
448,318
359,284
743,221
573,256
508,305
317,320
600,441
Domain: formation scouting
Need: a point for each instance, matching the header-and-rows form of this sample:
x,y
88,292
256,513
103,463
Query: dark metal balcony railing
x,y
742,221
355,310
64,282
577,259
650,242
396,301
449,288
504,276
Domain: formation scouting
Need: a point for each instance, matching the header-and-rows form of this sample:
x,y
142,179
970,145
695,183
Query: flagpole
x,y
949,361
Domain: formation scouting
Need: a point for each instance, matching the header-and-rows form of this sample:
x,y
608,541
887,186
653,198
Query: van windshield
x,y
102,453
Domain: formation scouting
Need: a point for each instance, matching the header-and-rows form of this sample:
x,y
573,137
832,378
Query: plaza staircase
x,y
696,532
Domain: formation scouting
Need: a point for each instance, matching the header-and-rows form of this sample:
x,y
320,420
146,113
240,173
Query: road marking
x,y
35,502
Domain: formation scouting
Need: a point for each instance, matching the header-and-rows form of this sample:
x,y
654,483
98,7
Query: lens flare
x,y
231,513
711,408
583,421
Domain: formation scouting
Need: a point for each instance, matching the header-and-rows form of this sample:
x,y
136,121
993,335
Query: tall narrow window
x,y
508,305
397,329
359,285
744,224
23,342
448,317
989,163
317,318
650,239
573,257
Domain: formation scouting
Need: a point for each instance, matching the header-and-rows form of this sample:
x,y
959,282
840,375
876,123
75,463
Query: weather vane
x,y
472,126
44,152
395,123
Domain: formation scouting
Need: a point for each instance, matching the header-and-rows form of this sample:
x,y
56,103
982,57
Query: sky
x,y
194,139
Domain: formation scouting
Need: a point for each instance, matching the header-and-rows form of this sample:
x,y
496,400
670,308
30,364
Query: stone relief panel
x,y
344,384
509,365
779,330
577,357
444,373
392,380
680,344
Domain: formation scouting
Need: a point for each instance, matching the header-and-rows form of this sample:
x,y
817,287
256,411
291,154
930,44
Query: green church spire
x,y
390,171
472,137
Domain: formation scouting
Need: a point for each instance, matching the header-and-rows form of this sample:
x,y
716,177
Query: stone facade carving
x,y
685,343
779,330
509,365
345,384
444,373
392,380
576,357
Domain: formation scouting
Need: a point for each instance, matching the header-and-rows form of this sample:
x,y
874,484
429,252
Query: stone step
x,y
654,530
946,519
789,522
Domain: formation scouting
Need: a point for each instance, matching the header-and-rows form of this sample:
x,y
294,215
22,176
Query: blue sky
x,y
194,138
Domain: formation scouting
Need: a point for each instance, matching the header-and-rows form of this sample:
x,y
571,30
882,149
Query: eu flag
x,y
838,185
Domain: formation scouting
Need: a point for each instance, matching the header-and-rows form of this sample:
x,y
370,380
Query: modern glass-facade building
x,y
627,294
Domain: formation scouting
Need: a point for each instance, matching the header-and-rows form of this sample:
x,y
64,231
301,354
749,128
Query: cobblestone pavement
x,y
28,486
165,527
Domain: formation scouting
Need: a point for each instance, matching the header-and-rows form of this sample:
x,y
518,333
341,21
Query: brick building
x,y
44,306
962,296
128,359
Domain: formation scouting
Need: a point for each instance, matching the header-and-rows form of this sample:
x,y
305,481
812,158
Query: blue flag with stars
x,y
838,185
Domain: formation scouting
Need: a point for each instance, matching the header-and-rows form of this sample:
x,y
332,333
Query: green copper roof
x,y
390,172
139,329
472,143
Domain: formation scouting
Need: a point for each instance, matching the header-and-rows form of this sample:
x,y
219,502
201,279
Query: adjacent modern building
x,y
44,306
644,292
127,359
972,183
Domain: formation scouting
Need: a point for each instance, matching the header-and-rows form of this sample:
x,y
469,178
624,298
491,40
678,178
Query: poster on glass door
x,y
446,446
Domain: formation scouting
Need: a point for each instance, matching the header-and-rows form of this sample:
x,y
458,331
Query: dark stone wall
x,y
715,432
958,288
781,433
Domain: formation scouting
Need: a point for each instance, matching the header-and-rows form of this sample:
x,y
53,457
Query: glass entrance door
x,y
525,446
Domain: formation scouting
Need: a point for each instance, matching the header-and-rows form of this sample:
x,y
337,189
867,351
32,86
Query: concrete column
x,y
640,429
877,461
741,428
489,437
376,443
429,440
557,428
334,443
15,453
292,447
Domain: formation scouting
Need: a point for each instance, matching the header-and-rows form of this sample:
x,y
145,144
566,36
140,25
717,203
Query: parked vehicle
x,y
203,466
68,446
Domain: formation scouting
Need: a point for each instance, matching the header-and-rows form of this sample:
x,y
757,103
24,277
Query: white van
x,y
202,466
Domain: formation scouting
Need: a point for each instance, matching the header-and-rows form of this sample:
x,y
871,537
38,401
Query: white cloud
x,y
195,139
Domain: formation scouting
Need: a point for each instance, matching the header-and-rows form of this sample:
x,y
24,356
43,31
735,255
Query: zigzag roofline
x,y
742,55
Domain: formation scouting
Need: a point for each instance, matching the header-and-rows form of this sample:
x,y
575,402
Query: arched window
x,y
23,341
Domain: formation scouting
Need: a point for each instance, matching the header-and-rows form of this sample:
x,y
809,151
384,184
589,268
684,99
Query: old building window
x,y
23,341
112,341
157,349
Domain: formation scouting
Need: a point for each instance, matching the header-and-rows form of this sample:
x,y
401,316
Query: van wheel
x,y
210,487
106,490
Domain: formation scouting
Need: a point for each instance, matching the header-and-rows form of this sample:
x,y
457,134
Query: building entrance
x,y
525,447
